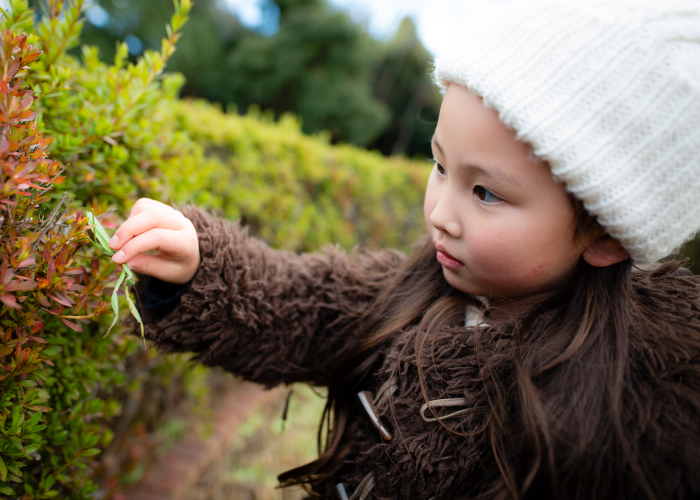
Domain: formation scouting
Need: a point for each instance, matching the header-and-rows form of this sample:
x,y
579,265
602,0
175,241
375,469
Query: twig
x,y
47,222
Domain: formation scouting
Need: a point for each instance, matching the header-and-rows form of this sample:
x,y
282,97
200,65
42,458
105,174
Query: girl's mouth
x,y
447,260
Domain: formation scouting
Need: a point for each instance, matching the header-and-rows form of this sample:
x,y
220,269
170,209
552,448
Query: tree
x,y
403,82
308,58
206,37
318,65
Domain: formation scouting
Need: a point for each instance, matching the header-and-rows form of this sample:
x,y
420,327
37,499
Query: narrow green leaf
x,y
114,322
103,243
7,490
32,448
115,302
16,443
51,351
100,230
15,419
101,236
132,308
91,217
32,421
15,469
3,470
115,299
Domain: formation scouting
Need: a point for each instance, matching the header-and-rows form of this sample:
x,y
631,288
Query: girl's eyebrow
x,y
487,171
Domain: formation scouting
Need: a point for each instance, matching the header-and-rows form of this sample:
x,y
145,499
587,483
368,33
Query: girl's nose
x,y
444,218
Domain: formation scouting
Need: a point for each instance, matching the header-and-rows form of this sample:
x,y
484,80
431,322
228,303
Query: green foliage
x,y
42,276
127,278
295,191
67,394
98,113
53,359
401,80
318,64
307,58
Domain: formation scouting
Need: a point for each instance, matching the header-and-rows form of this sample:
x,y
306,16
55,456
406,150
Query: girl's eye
x,y
440,168
485,195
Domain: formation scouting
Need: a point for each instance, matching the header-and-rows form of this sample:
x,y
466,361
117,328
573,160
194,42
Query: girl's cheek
x,y
506,263
489,255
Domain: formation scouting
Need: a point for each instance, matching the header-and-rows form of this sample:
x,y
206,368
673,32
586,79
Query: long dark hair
x,y
569,364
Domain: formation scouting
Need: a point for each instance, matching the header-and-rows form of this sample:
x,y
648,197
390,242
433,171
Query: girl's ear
x,y
605,251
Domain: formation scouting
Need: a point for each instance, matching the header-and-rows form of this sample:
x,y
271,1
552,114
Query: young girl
x,y
530,348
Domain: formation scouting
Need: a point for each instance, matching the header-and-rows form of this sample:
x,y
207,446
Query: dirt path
x,y
181,469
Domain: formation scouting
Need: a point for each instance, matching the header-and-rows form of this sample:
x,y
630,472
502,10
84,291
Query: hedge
x,y
295,191
74,405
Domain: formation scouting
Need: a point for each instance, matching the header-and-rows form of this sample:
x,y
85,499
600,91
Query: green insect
x,y
126,277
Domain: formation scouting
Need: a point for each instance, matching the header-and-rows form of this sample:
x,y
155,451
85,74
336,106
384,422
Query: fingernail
x,y
118,257
113,242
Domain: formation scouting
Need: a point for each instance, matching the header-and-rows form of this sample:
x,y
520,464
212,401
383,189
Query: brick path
x,y
174,475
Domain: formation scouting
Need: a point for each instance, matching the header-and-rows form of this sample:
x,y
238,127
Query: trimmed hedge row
x,y
295,191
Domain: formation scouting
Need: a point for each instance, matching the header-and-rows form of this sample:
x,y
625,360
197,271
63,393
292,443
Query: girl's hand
x,y
155,226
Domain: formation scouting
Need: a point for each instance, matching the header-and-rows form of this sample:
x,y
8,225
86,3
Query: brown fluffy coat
x,y
276,317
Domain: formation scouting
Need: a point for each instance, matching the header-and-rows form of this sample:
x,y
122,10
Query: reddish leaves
x,y
71,325
9,301
38,274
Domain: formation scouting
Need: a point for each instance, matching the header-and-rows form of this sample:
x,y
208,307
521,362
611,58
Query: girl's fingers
x,y
156,226
178,245
145,221
144,204
163,269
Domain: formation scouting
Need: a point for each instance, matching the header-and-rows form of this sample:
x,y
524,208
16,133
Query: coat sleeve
x,y
270,316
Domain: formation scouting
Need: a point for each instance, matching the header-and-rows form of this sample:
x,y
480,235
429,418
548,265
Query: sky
x,y
434,19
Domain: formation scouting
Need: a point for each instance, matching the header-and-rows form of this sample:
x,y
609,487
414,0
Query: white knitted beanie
x,y
608,93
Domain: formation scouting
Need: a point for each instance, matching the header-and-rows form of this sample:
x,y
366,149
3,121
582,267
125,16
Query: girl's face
x,y
501,225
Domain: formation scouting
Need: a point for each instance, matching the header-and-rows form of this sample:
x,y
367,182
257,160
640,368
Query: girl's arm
x,y
270,316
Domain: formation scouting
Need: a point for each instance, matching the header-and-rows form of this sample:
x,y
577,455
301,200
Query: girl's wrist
x,y
163,296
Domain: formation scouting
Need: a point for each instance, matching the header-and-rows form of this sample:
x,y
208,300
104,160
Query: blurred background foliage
x,y
307,58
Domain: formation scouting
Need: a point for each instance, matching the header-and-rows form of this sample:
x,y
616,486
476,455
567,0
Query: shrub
x,y
54,359
120,133
41,274
295,191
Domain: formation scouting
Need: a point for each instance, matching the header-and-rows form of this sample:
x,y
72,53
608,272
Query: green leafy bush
x,y
75,406
42,278
57,372
295,191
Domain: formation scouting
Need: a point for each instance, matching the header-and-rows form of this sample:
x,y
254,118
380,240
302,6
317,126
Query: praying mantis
x,y
126,277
